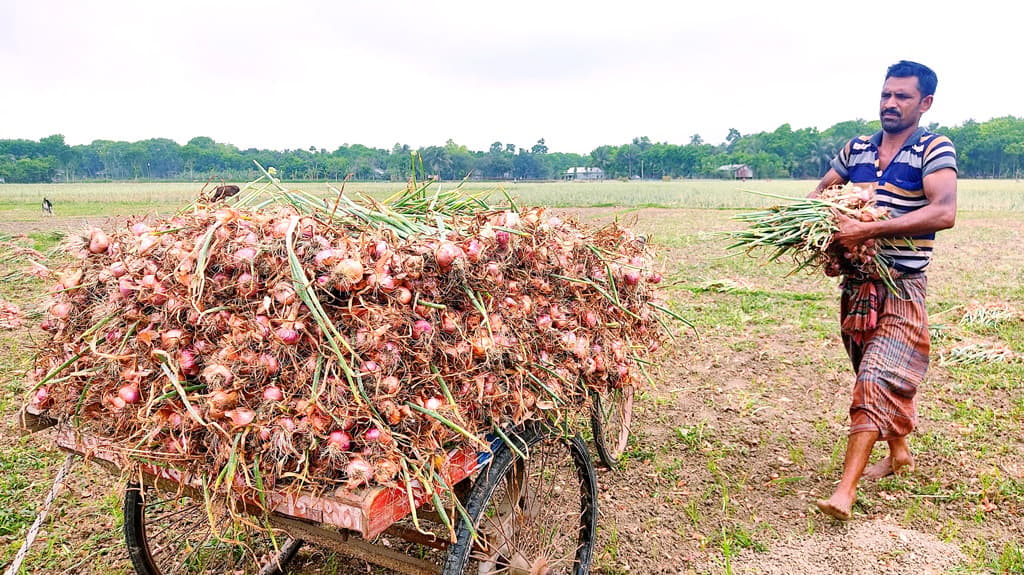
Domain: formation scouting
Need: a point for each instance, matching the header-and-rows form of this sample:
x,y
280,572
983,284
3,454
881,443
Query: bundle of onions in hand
x,y
803,229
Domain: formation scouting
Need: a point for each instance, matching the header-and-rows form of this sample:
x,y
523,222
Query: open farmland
x,y
21,202
742,429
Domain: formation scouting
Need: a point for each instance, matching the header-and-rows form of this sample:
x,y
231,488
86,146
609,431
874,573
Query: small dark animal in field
x,y
223,192
47,207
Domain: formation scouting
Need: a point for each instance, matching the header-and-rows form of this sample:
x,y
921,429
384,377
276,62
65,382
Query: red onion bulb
x,y
421,327
129,393
359,471
240,416
340,440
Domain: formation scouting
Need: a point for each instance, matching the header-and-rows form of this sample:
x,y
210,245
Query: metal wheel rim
x,y
171,535
538,519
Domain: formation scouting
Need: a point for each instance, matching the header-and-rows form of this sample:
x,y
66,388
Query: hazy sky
x,y
296,74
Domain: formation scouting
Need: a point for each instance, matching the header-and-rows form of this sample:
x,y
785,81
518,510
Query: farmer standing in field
x,y
913,173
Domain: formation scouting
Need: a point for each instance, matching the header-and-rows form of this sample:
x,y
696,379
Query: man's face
x,y
901,105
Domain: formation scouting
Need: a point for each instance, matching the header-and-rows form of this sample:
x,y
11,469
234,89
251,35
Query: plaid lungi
x,y
892,358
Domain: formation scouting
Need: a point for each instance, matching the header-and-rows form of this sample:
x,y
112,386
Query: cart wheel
x,y
610,420
170,535
526,514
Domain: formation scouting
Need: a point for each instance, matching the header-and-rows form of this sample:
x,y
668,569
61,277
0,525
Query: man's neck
x,y
896,140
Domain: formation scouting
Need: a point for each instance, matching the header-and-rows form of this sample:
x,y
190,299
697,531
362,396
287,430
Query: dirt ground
x,y
734,443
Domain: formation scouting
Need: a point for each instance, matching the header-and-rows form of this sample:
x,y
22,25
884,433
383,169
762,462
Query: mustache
x,y
892,111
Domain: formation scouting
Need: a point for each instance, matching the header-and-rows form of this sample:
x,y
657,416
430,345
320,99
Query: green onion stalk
x,y
803,229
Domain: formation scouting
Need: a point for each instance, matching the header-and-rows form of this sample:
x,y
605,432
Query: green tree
x,y
733,137
437,163
602,157
399,164
496,164
1016,151
162,157
200,155
29,170
64,158
462,159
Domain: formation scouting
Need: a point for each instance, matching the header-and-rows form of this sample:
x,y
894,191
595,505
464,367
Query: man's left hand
x,y
852,232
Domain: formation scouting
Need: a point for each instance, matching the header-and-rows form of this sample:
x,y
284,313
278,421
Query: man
x,y
913,174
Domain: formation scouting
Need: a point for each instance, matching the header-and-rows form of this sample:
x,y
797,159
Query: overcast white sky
x,y
284,75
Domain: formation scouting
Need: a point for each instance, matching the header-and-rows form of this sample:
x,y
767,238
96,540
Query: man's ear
x,y
926,102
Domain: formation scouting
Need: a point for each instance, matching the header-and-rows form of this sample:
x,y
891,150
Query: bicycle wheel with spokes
x,y
535,516
610,420
175,534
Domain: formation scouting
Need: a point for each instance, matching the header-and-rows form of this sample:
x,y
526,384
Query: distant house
x,y
583,173
738,171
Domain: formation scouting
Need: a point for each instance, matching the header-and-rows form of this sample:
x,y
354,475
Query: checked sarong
x,y
889,349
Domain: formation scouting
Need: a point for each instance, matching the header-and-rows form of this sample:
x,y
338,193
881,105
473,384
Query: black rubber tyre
x,y
171,535
527,514
610,419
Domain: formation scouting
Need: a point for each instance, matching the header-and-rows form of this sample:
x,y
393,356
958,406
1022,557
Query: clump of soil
x,y
859,548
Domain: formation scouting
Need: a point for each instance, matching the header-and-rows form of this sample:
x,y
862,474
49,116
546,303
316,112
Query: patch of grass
x,y
796,455
995,557
18,493
920,510
999,488
724,286
821,438
1017,408
744,345
611,548
979,422
835,459
950,532
671,470
1001,376
734,538
937,443
637,452
785,486
810,526
45,241
693,512
692,437
1011,558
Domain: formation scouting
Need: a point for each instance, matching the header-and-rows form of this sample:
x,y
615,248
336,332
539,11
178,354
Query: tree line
x,y
992,149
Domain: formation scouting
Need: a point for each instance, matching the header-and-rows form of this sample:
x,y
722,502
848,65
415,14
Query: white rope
x,y
38,523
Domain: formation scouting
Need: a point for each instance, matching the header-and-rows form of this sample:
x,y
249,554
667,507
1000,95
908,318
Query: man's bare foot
x,y
838,510
889,466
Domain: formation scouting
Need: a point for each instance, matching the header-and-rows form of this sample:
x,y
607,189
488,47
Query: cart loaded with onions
x,y
279,369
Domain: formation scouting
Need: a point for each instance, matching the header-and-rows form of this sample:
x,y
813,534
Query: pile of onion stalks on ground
x,y
978,354
803,230
290,342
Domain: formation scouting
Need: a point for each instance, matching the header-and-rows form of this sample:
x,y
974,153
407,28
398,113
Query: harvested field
x,y
743,429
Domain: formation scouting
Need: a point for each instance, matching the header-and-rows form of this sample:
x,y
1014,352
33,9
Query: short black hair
x,y
926,78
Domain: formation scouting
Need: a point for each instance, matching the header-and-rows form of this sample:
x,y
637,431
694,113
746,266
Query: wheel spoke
x,y
168,536
172,521
611,422
539,516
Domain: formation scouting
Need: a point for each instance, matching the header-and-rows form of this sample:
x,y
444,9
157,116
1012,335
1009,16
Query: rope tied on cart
x,y
33,531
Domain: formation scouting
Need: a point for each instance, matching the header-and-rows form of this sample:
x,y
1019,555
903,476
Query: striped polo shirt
x,y
900,187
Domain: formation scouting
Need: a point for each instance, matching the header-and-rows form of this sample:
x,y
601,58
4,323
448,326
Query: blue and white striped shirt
x,y
900,187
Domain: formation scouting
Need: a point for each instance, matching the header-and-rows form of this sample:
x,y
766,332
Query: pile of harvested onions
x,y
803,230
278,343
